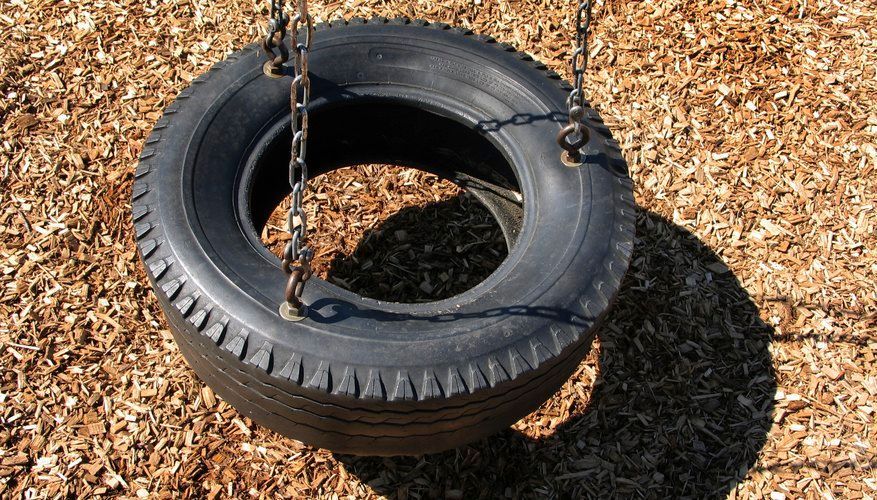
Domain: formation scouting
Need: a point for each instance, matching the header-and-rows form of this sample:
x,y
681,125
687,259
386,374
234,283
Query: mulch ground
x,y
739,360
395,234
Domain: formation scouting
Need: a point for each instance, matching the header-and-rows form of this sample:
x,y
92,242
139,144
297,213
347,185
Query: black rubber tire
x,y
361,376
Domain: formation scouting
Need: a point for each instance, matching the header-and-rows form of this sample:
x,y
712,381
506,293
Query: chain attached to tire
x,y
574,135
297,255
274,40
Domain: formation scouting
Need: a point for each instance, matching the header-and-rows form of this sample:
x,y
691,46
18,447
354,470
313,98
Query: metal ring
x,y
573,147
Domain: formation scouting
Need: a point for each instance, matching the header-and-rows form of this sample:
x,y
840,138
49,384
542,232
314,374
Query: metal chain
x,y
274,40
574,136
297,255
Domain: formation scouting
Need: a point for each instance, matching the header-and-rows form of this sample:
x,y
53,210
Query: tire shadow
x,y
681,405
423,253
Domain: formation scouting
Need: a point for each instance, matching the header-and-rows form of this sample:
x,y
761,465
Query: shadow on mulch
x,y
681,407
424,253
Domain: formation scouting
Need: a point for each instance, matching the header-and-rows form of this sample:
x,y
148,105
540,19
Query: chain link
x,y
574,135
297,255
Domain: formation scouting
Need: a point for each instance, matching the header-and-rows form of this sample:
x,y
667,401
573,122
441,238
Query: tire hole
x,y
395,234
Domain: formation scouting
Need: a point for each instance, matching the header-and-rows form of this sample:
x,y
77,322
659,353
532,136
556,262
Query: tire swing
x,y
322,364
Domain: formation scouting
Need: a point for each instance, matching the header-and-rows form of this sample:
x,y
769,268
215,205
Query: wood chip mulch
x,y
739,360
395,234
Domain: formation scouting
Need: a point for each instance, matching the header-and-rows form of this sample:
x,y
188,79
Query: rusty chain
x,y
575,135
297,255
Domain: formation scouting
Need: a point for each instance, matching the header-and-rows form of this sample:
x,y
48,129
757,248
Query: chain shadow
x,y
681,406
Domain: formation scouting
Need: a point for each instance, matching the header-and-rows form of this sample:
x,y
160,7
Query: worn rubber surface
x,y
359,375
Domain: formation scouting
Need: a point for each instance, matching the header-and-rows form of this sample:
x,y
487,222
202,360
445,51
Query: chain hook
x,y
274,39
